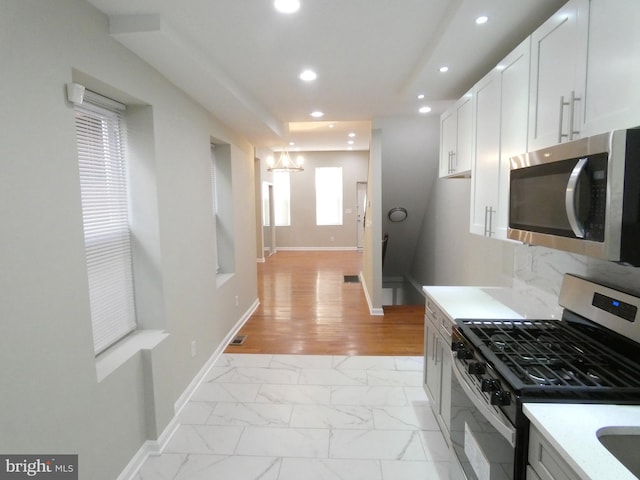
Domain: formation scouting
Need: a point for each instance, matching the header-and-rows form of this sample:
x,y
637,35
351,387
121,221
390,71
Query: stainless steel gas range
x,y
591,355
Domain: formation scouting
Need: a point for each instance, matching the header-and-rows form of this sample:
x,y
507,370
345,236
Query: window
x,y
329,196
222,188
100,137
282,198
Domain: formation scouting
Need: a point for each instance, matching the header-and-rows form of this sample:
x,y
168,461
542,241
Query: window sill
x,y
223,278
116,356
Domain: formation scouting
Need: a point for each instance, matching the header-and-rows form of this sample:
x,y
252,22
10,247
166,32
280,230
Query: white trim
x,y
197,380
155,447
372,311
311,249
148,448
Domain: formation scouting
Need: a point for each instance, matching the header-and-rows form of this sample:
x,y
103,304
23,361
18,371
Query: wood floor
x,y
306,307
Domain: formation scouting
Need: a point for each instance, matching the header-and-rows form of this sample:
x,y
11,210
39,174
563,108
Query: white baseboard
x,y
315,249
377,311
155,447
197,380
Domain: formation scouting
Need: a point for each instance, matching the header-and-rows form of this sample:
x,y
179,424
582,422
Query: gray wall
x,y
303,232
409,163
51,399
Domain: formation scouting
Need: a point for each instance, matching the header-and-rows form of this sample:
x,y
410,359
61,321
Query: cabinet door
x,y
484,180
613,76
445,387
432,366
448,133
558,75
464,137
514,111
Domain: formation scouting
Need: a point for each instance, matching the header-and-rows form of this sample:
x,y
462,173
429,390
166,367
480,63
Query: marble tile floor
x,y
311,417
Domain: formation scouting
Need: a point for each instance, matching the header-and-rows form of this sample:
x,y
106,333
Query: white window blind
x,y
329,196
103,181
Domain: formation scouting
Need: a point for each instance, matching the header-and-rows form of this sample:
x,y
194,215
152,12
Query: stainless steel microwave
x,y
581,196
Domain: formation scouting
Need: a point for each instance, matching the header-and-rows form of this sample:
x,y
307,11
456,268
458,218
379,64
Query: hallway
x,y
306,307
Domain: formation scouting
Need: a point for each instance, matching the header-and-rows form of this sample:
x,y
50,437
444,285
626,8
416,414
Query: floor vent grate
x,y
351,279
239,340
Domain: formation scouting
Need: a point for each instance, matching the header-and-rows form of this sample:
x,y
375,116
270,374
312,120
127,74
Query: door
x,y
484,195
361,211
558,76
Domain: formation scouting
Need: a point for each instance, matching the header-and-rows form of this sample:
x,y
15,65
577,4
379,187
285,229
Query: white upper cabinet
x,y
501,113
514,108
558,76
613,74
455,139
484,178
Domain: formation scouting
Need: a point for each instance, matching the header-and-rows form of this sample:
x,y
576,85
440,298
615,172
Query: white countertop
x,y
486,302
572,430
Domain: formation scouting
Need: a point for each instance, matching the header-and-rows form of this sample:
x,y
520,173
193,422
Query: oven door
x,y
482,438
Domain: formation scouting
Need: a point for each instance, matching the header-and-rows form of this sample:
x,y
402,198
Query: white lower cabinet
x,y
437,374
545,463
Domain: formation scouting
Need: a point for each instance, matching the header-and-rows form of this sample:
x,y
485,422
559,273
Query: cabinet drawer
x,y
546,462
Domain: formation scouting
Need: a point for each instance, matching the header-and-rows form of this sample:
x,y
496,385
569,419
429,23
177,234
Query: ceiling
x,y
241,58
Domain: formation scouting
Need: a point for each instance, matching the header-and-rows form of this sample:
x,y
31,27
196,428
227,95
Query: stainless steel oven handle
x,y
502,426
570,196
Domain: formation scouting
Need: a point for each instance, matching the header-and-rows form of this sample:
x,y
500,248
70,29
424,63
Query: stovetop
x,y
560,358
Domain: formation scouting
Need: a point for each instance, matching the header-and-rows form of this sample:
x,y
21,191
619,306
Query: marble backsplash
x,y
538,273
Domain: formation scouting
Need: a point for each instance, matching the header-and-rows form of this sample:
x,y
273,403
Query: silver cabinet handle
x,y
454,162
562,105
488,221
486,212
491,210
570,198
572,110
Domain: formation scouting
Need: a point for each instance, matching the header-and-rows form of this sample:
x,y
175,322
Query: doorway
x,y
268,219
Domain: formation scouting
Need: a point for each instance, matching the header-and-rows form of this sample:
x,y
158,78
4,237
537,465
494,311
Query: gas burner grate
x,y
553,354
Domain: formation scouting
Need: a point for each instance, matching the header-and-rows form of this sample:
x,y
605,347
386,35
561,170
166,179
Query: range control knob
x,y
490,385
477,368
464,353
501,398
455,346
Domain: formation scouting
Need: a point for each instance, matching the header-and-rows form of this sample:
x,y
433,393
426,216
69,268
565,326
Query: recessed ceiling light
x,y
421,96
292,143
482,19
317,114
424,109
350,142
352,134
331,125
444,69
308,75
287,6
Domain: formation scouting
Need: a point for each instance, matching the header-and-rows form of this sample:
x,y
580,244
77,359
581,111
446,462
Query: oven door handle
x,y
502,426
570,198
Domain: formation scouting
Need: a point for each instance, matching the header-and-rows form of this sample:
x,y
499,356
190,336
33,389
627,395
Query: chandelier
x,y
285,163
